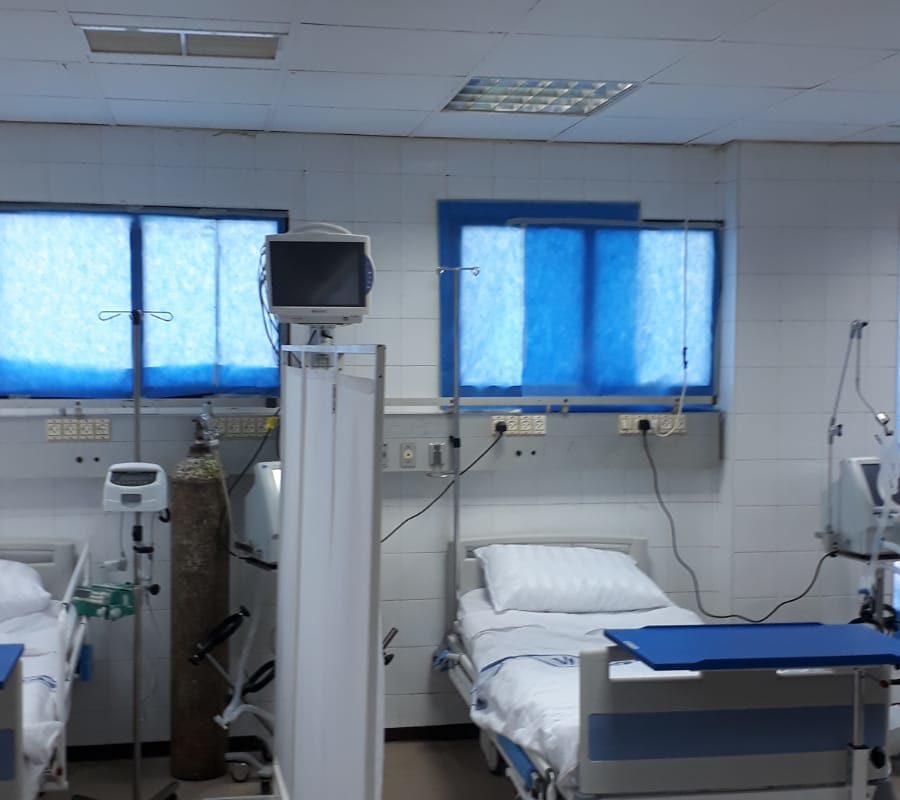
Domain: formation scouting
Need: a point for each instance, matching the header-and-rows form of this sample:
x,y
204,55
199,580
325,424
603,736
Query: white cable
x,y
679,412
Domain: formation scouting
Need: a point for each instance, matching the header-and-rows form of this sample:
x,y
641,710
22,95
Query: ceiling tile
x,y
40,35
47,78
780,132
485,125
188,84
676,100
271,10
601,128
338,89
842,108
237,116
729,64
583,57
883,76
54,109
860,23
347,120
383,50
461,15
703,20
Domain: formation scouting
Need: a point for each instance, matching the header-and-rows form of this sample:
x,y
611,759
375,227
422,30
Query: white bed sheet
x,y
41,677
528,689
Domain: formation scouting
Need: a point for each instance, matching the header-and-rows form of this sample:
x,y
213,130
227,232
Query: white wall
x,y
811,242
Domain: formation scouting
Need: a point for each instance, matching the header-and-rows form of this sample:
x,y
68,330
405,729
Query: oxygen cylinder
x,y
200,544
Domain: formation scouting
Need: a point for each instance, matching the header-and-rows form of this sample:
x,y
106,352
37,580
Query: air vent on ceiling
x,y
536,96
209,44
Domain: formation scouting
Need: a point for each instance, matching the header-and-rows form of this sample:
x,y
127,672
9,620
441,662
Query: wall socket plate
x,y
408,455
77,429
521,424
659,423
242,427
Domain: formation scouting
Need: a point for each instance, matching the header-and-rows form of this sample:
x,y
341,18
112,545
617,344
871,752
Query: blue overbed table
x,y
707,648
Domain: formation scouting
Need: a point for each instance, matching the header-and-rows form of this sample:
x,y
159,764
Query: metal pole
x,y
455,433
137,536
136,363
137,671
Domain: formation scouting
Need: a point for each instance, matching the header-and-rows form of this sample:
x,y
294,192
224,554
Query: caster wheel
x,y
239,771
265,787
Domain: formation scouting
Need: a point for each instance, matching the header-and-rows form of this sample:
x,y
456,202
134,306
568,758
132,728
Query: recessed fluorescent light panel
x,y
210,44
529,95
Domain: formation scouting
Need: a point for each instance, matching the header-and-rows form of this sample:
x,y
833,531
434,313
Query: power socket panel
x,y
77,429
668,424
252,426
521,424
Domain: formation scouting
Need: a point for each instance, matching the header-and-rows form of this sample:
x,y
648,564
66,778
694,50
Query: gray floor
x,y
413,771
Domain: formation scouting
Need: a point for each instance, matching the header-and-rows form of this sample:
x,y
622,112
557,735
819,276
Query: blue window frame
x,y
59,269
569,303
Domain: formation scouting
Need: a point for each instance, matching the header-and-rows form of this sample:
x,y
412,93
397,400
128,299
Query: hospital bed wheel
x,y
239,771
265,786
492,758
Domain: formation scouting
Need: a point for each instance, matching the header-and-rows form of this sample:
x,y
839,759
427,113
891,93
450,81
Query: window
x,y
576,300
59,269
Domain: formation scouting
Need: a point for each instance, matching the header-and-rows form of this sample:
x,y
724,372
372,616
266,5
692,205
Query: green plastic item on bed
x,y
109,601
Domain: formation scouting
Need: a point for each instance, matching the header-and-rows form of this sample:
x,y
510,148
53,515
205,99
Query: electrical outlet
x,y
522,424
101,429
408,455
68,429
663,424
232,426
248,426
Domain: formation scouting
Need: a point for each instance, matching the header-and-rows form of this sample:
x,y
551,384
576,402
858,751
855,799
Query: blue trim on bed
x,y
9,657
518,759
7,754
729,732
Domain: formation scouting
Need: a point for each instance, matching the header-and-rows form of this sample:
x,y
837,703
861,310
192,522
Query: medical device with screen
x,y
318,278
858,504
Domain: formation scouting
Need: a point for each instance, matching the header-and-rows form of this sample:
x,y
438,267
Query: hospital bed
x,y
565,713
52,641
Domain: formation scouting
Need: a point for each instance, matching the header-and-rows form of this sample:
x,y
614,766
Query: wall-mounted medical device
x,y
135,486
858,506
319,275
261,525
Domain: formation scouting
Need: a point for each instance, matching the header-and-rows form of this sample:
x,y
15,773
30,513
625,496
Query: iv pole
x,y
455,435
140,549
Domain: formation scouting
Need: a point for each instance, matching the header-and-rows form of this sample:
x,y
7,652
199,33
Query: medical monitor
x,y
858,505
261,512
318,278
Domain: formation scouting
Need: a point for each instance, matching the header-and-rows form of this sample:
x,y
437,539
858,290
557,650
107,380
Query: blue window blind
x,y
58,270
573,309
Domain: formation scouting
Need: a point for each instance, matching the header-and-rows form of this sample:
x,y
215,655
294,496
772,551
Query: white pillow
x,y
21,590
569,579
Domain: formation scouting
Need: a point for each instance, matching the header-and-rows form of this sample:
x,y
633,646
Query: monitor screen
x,y
317,274
871,472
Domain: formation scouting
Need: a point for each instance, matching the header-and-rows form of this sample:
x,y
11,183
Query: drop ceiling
x,y
710,71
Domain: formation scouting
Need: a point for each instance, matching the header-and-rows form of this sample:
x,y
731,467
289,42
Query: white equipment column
x,y
329,726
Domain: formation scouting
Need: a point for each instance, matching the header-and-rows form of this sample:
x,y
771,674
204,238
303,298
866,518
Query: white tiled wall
x,y
810,243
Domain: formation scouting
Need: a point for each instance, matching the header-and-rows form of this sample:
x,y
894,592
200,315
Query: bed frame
x,y
788,772
63,566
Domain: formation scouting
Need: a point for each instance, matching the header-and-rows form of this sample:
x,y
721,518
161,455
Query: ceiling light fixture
x,y
536,96
168,42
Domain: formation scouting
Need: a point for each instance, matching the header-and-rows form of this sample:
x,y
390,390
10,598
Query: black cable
x,y
446,488
689,569
252,459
